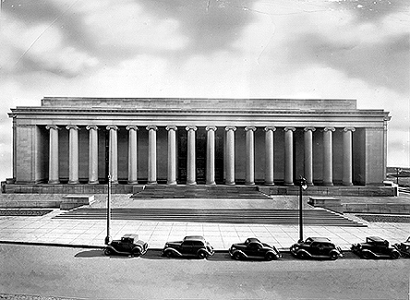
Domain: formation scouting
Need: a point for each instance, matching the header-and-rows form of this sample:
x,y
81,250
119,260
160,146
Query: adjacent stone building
x,y
79,141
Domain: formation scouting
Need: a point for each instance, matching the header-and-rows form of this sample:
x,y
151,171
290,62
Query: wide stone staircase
x,y
312,217
198,192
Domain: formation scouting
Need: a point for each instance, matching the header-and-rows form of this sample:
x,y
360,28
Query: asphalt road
x,y
88,274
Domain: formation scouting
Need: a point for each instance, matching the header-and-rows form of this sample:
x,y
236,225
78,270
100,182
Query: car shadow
x,y
90,253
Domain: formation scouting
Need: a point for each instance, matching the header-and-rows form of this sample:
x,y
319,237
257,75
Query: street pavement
x,y
91,233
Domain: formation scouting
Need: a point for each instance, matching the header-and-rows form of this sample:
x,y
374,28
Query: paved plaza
x,y
91,233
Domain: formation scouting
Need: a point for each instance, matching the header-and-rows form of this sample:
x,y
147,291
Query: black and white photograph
x,y
205,149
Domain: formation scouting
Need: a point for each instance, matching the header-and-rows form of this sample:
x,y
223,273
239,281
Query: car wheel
x,y
107,251
270,256
394,255
334,256
237,256
302,255
202,254
136,253
168,253
366,255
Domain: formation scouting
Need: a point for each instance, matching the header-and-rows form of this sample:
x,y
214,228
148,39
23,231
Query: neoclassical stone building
x,y
79,141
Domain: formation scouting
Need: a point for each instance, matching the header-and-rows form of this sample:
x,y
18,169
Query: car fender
x,y
174,251
369,252
303,251
339,253
205,250
277,254
240,252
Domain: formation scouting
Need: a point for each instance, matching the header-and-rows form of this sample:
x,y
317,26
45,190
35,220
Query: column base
x,y
172,183
132,181
53,181
152,182
191,183
310,184
114,182
328,183
347,183
289,183
249,183
269,183
73,182
93,182
230,183
211,183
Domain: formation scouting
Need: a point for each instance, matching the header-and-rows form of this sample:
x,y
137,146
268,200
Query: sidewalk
x,y
91,233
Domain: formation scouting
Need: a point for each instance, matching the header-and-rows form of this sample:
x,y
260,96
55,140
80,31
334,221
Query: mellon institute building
x,y
72,145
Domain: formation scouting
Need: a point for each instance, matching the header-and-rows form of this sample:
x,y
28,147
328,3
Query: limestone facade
x,y
198,141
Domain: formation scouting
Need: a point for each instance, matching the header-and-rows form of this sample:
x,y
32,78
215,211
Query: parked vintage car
x,y
403,248
316,247
192,245
129,244
375,247
253,248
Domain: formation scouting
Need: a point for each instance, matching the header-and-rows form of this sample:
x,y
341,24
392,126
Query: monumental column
x,y
53,170
347,156
73,154
113,153
269,158
132,154
152,154
308,137
93,154
210,155
250,156
230,155
191,156
328,156
172,155
289,155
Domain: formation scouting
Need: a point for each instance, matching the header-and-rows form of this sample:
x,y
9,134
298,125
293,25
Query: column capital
x,y
210,128
309,128
171,127
152,127
75,127
289,128
132,127
346,129
329,128
188,128
94,127
112,127
270,128
248,128
228,128
55,127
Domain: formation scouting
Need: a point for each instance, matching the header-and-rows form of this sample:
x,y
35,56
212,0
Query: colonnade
x,y
210,154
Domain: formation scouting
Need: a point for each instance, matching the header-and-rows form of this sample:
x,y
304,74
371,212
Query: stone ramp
x,y
198,192
319,217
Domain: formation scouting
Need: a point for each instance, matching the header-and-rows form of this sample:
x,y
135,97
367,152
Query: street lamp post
x,y
398,170
108,237
302,187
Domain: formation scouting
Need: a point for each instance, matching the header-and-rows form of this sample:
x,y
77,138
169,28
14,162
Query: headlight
x,y
233,248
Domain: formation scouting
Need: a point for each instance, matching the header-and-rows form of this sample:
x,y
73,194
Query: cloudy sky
x,y
352,49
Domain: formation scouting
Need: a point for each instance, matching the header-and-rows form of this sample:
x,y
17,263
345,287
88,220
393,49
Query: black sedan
x,y
129,244
375,247
253,248
316,247
403,248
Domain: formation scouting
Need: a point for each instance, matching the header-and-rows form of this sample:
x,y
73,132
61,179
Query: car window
x,y
198,243
187,243
254,246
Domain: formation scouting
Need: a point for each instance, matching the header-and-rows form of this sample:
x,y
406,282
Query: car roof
x,y
194,238
253,240
131,235
319,239
376,238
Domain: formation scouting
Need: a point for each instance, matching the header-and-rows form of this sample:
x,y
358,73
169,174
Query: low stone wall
x,y
73,201
382,208
329,203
